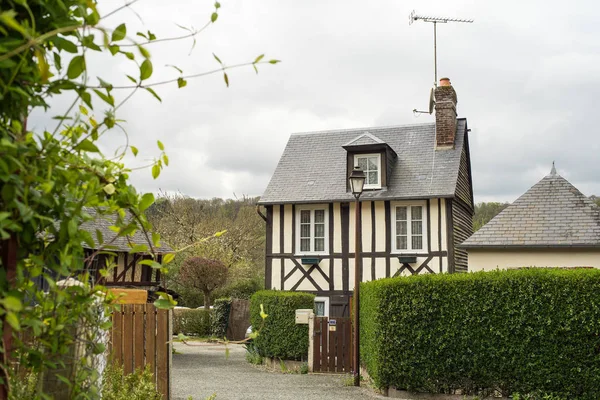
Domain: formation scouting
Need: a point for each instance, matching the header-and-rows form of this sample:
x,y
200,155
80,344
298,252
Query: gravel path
x,y
200,371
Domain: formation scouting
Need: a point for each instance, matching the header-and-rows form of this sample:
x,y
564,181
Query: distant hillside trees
x,y
484,212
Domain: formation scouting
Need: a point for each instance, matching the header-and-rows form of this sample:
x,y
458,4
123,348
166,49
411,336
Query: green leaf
x,y
274,61
107,98
167,258
160,145
214,17
64,44
104,84
76,67
57,61
155,171
217,58
142,35
109,189
129,55
83,110
13,321
119,33
138,248
146,70
217,5
144,52
151,36
226,78
259,58
156,239
132,79
146,201
181,82
99,236
166,160
12,303
154,93
163,304
87,145
134,150
114,49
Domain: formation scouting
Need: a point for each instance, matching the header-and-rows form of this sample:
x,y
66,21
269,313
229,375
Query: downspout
x,y
260,213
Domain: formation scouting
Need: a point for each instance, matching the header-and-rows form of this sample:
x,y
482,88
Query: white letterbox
x,y
302,315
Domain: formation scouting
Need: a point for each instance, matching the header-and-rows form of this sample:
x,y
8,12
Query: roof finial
x,y
553,170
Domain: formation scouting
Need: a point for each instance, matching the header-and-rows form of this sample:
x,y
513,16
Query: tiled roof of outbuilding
x,y
313,166
553,213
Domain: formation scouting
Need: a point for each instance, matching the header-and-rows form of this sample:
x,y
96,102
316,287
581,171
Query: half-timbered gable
x,y
416,208
127,269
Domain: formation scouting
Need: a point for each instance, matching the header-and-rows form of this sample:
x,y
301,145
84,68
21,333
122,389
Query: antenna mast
x,y
435,20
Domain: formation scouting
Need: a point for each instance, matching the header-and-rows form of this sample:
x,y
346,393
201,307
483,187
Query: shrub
x,y
526,331
242,289
136,386
280,336
252,355
220,317
191,322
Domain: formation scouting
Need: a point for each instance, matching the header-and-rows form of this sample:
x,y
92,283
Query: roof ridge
x,y
360,129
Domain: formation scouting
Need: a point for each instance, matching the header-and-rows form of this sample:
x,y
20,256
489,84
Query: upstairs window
x,y
371,166
409,229
312,230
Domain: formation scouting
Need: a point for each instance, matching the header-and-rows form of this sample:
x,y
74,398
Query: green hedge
x,y
220,317
191,322
520,331
280,336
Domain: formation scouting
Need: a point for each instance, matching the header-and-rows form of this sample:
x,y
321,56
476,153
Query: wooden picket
x,y
140,338
332,347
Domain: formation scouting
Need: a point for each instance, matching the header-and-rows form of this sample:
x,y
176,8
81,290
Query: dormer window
x,y
371,166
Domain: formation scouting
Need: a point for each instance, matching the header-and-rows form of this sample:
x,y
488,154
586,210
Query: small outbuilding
x,y
552,225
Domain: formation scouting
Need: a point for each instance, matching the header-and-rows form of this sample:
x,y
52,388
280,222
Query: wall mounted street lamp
x,y
357,184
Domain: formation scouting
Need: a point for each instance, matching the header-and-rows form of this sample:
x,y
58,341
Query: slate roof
x,y
103,224
313,166
364,139
553,213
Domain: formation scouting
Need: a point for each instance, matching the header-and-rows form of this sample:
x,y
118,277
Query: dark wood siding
x,y
462,229
463,183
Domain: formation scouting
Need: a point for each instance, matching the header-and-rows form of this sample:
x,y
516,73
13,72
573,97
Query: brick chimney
x,y
445,114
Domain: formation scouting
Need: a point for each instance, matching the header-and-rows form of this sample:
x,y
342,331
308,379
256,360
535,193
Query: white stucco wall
x,y
485,260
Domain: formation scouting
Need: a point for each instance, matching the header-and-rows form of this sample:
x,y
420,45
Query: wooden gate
x,y
140,338
332,345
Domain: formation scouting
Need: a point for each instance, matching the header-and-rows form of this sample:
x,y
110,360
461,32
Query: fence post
x,y
170,350
311,341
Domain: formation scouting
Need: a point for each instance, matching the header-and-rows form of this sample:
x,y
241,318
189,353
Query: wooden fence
x,y
140,337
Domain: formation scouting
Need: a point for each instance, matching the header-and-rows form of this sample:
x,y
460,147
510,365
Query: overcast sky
x,y
526,75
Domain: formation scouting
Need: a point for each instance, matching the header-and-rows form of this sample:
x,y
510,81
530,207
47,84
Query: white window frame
x,y
378,155
409,227
312,208
323,300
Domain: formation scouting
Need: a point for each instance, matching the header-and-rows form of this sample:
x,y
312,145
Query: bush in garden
x,y
191,322
520,331
280,336
220,317
136,386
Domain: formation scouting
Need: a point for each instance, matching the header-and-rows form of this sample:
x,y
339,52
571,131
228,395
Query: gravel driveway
x,y
200,371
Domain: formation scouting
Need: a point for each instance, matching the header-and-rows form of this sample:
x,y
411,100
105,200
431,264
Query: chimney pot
x,y
445,82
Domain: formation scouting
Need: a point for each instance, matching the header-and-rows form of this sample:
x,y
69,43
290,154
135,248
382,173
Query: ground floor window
x,y
322,306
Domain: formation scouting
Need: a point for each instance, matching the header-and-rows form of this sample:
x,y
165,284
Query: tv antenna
x,y
435,20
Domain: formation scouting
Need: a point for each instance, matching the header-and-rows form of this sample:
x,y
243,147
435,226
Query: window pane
x,y
373,163
417,227
319,308
304,244
320,230
319,216
401,228
319,244
304,230
400,213
416,212
401,242
305,216
417,242
372,178
362,163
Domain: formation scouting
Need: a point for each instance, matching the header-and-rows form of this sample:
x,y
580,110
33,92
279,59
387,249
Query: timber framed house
x,y
416,208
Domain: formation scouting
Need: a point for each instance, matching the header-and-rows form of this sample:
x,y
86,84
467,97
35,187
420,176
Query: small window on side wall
x,y
371,166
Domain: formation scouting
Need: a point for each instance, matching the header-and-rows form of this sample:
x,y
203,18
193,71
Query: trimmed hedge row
x,y
280,336
220,317
191,322
520,331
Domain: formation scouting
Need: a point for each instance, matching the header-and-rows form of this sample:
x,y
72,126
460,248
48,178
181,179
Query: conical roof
x,y
553,213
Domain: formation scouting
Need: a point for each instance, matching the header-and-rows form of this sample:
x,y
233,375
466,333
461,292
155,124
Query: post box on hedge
x,y
302,315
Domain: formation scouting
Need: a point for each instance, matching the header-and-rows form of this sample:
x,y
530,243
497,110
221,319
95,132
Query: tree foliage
x,y
49,178
484,212
203,274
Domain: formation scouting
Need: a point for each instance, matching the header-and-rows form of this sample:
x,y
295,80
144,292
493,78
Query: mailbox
x,y
302,315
